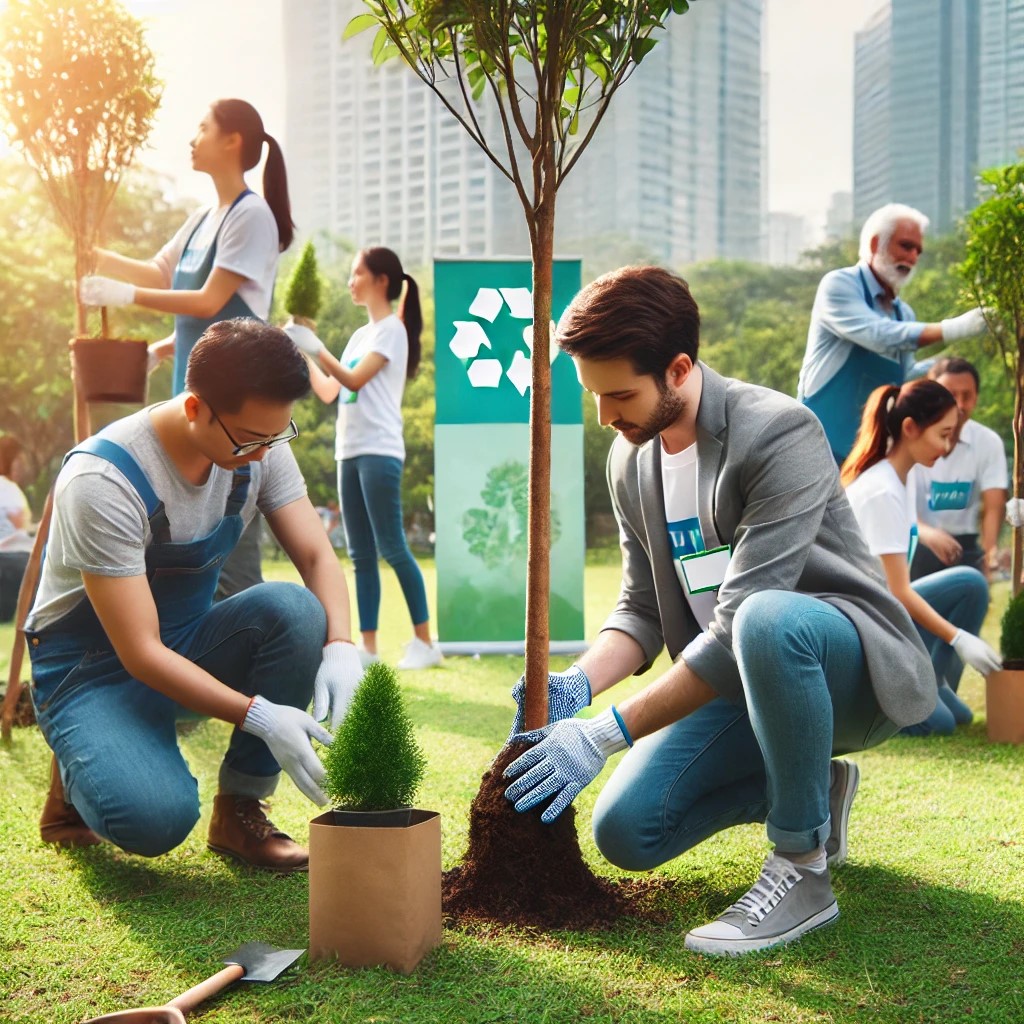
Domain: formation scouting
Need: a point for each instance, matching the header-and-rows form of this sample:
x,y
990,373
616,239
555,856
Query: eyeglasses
x,y
287,435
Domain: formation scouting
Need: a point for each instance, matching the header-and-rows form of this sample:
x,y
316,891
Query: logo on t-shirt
x,y
351,396
685,537
946,496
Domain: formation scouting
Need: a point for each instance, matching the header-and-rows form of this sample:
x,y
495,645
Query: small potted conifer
x,y
1004,690
304,293
375,860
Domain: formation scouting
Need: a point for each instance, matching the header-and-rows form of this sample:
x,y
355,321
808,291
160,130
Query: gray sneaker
x,y
785,902
845,779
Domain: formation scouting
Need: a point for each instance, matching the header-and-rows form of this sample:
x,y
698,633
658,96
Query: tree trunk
x,y
538,573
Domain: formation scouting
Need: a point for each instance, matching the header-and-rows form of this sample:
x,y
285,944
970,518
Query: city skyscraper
x,y
676,167
938,94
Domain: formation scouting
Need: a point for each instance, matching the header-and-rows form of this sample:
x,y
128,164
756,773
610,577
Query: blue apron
x,y
840,402
191,273
182,576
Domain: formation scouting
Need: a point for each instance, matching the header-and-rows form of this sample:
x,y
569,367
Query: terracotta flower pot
x,y
110,369
1004,706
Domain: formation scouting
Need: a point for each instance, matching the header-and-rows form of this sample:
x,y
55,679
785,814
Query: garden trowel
x,y
255,961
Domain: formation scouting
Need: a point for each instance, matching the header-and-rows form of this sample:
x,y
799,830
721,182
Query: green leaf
x,y
360,23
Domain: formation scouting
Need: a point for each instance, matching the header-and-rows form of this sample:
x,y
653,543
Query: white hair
x,y
883,224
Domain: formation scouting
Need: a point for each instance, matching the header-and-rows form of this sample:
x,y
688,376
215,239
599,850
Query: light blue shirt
x,y
843,316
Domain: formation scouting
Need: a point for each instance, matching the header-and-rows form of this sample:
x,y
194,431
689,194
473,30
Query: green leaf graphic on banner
x,y
497,534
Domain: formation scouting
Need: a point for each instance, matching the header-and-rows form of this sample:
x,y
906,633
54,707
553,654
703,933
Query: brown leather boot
x,y
60,823
241,829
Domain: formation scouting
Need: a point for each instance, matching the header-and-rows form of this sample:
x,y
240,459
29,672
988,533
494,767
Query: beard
x,y
895,275
669,408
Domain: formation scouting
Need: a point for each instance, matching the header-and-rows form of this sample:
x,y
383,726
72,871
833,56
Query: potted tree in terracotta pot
x,y
375,860
78,89
1004,690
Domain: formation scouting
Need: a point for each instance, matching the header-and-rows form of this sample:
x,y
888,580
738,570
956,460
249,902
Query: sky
x,y
206,49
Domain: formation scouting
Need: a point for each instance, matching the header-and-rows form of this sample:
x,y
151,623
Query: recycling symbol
x,y
470,339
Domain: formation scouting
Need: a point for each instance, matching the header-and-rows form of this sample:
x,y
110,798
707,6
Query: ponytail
x,y
881,425
411,315
382,262
275,192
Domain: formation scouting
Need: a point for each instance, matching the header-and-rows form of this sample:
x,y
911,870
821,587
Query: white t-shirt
x,y
679,482
370,419
247,245
949,493
12,499
885,510
100,524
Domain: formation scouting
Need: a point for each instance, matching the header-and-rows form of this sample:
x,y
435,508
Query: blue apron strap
x,y
202,220
870,299
239,490
118,457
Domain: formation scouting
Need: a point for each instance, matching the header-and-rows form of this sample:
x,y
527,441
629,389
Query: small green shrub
x,y
375,763
303,295
1012,637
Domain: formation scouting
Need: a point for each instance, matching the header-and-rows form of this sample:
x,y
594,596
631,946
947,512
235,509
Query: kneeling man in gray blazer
x,y
740,553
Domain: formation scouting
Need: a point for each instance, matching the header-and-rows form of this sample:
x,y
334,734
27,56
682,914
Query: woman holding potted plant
x,y
368,383
902,427
222,262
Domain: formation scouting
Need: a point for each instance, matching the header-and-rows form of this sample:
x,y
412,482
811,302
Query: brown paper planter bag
x,y
1004,706
375,893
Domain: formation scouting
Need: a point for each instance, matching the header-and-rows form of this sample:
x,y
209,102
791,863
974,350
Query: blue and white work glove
x,y
568,694
339,674
568,756
105,291
305,340
287,732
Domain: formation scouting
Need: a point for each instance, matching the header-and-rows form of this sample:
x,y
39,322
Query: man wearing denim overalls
x,y
124,636
862,335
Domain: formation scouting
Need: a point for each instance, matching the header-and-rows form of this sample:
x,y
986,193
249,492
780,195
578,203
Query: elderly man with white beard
x,y
862,335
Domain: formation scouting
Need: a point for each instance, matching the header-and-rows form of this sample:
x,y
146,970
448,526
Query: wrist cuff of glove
x,y
258,718
608,732
582,677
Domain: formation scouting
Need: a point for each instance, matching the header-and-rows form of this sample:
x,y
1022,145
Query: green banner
x,y
484,311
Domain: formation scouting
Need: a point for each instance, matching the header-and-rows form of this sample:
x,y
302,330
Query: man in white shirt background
x,y
961,499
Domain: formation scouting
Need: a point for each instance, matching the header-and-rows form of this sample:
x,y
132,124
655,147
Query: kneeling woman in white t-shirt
x,y
901,427
368,382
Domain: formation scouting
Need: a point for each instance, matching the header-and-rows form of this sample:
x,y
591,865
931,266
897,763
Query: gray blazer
x,y
768,486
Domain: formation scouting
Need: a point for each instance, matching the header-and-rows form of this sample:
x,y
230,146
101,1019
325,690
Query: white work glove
x,y
1015,512
305,340
975,652
287,731
105,291
966,325
567,757
340,673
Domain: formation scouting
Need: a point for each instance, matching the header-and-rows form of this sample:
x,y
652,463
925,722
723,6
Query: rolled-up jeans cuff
x,y
798,842
256,787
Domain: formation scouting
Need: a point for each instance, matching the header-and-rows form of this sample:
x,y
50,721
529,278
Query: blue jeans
x,y
808,696
115,738
960,595
370,488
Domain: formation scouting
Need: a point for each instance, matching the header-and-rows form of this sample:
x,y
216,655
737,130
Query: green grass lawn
x,y
932,897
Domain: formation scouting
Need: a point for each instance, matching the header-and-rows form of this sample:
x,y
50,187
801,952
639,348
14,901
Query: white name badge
x,y
705,570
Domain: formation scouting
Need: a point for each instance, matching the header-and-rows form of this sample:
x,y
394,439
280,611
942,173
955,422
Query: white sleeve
x,y
883,522
280,480
167,258
248,241
392,342
992,464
